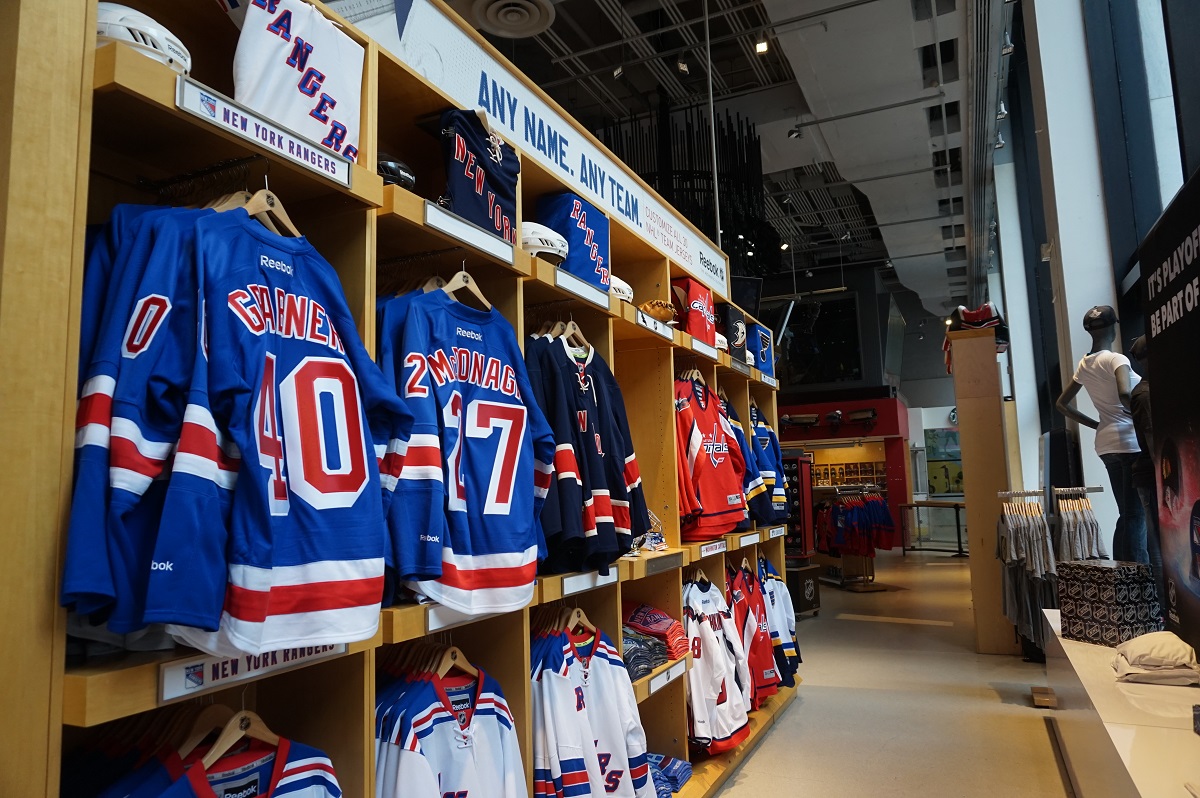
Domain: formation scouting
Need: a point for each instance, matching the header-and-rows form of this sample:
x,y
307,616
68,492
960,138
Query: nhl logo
x,y
193,677
810,589
209,104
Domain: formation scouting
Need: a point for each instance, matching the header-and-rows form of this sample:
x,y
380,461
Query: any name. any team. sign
x,y
219,110
422,36
186,678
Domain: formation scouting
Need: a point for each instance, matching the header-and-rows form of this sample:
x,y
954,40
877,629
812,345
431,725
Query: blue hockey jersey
x,y
478,464
770,462
481,174
284,412
586,230
758,497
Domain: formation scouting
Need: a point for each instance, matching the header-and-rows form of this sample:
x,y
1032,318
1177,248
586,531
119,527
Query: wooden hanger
x,y
242,724
208,721
576,618
432,284
228,202
452,658
558,329
575,335
698,575
721,393
463,280
545,328
266,203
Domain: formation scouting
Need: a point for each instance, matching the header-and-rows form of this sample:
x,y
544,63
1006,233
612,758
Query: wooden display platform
x,y
709,775
660,677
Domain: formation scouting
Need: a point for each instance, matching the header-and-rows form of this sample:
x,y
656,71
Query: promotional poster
x,y
1170,261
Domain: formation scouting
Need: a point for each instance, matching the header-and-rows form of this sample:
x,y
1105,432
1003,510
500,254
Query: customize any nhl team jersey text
x,y
297,68
287,423
478,464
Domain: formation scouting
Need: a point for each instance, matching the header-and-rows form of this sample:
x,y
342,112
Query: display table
x,y
1118,739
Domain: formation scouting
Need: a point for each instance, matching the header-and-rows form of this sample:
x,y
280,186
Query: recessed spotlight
x,y
761,46
750,254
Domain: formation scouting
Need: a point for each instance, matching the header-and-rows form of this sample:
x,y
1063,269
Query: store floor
x,y
895,701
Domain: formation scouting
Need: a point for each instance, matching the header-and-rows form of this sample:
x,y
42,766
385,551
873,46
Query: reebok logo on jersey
x,y
474,336
161,566
242,791
431,539
267,262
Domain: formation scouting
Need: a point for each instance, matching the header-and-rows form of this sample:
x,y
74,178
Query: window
x,y
954,254
951,207
952,231
948,52
951,124
948,166
923,9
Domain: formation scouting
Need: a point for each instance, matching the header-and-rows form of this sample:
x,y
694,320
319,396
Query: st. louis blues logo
x,y
209,104
764,342
193,677
494,150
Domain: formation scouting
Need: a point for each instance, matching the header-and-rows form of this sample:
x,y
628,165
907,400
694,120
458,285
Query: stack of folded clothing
x,y
1157,658
642,653
647,620
676,771
662,787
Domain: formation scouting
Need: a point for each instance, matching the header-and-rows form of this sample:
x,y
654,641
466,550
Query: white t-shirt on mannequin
x,y
1097,373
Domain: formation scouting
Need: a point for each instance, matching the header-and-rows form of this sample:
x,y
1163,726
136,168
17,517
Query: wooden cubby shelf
x,y
649,563
742,540
660,677
117,688
709,775
167,141
412,227
562,586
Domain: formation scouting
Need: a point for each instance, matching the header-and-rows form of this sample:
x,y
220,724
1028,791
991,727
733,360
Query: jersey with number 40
x,y
282,380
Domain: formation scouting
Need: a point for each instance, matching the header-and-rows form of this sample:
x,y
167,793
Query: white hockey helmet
x,y
538,239
722,343
620,288
118,23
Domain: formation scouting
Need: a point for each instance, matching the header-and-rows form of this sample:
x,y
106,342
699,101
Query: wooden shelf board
x,y
556,586
167,141
649,684
627,329
547,283
402,231
649,563
129,684
741,540
408,622
708,548
710,774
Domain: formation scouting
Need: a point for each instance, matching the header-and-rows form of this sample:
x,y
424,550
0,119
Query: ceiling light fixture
x,y
796,132
618,72
947,322
1008,47
741,237
784,246
682,66
1002,113
999,141
750,253
761,46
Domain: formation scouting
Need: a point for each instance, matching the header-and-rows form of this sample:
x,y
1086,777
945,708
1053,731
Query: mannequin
x,y
1143,468
1109,382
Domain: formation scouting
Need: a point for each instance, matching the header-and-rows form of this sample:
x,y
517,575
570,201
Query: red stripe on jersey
x,y
621,516
418,456
391,464
632,472
541,479
95,408
201,441
483,578
603,505
639,771
589,519
292,770
578,777
565,462
255,606
123,453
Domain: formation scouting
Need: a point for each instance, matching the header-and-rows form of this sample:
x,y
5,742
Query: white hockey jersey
x,y
719,681
588,736
297,68
781,618
447,736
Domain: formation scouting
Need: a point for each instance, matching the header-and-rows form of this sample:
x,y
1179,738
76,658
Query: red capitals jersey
x,y
713,464
694,309
745,597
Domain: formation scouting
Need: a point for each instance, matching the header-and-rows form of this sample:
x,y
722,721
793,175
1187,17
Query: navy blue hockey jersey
x,y
285,410
481,174
758,497
479,461
586,231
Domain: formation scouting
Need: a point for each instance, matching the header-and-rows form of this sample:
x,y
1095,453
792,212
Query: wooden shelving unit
x,y
121,123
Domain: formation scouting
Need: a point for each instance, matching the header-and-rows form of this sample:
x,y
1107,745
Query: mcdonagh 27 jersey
x,y
478,464
273,531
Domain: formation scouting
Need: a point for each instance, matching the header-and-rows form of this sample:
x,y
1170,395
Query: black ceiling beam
x,y
717,40
789,191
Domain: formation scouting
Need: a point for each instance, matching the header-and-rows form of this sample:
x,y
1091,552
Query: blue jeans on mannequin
x,y
1129,538
1149,496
